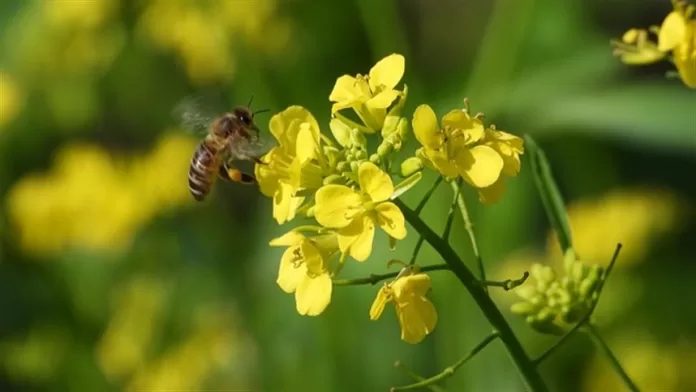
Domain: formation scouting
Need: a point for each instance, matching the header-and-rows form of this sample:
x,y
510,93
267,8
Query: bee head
x,y
244,116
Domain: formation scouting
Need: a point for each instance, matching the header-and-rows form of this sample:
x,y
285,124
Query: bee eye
x,y
246,119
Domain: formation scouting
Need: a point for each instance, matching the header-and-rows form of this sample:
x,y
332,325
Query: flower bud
x,y
357,138
403,128
375,158
523,308
385,148
310,212
578,270
410,166
342,166
360,154
354,166
332,179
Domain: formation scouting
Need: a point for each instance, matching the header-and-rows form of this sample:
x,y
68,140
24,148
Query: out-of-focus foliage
x,y
111,278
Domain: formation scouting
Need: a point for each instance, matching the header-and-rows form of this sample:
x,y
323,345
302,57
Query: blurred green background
x,y
111,278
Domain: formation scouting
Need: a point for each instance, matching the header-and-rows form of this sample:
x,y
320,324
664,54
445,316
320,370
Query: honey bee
x,y
230,136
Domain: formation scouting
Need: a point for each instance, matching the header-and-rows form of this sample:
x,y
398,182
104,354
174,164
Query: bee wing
x,y
195,113
249,148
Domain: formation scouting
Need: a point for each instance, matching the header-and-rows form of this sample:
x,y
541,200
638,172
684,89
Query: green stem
x,y
599,341
449,371
469,229
453,207
419,209
519,356
375,278
412,374
507,284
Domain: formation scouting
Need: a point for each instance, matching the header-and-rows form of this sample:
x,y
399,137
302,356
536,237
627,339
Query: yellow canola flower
x,y
304,270
454,149
677,34
355,213
509,147
296,164
11,99
370,95
417,315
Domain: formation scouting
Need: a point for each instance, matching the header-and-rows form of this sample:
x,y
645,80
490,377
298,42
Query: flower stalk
x,y
523,362
470,229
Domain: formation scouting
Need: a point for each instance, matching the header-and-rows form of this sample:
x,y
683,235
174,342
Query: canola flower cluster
x,y
676,41
93,201
203,34
342,189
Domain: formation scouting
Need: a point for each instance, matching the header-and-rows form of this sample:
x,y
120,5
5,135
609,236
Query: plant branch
x,y
419,209
585,320
400,365
375,278
450,213
524,364
469,229
507,284
599,341
450,370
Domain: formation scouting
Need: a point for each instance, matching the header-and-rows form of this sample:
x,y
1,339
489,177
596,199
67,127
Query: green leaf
x,y
549,193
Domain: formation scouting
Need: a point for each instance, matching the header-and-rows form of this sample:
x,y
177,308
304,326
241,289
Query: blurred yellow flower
x,y
677,35
11,99
633,217
370,95
652,364
205,36
304,270
92,201
417,315
136,308
355,213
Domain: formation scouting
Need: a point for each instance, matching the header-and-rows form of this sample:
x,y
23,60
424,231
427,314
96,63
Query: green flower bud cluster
x,y
555,302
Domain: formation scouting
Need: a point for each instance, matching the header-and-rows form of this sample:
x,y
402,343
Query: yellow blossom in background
x,y
304,270
137,308
676,35
355,213
653,365
370,95
633,217
417,315
11,99
205,35
461,146
92,201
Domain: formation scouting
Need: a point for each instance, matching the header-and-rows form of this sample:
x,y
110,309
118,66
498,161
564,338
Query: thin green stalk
x,y
415,376
469,229
519,356
453,207
419,209
507,284
599,341
375,278
450,370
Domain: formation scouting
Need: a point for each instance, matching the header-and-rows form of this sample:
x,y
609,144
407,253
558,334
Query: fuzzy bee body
x,y
232,136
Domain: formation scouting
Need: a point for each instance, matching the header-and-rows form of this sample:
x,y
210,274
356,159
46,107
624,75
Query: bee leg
x,y
232,174
259,161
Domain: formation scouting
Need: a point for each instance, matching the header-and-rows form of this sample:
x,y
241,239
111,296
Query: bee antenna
x,y
260,111
250,101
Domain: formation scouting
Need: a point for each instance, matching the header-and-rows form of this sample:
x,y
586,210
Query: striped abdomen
x,y
203,170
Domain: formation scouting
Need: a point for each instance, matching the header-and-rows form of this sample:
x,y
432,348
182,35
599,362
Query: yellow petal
x,y
285,204
335,205
290,274
383,99
312,258
379,303
391,220
685,57
340,131
630,36
291,238
471,128
417,318
410,285
387,72
425,127
313,295
345,89
307,147
285,125
672,32
480,166
357,238
375,182
493,193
